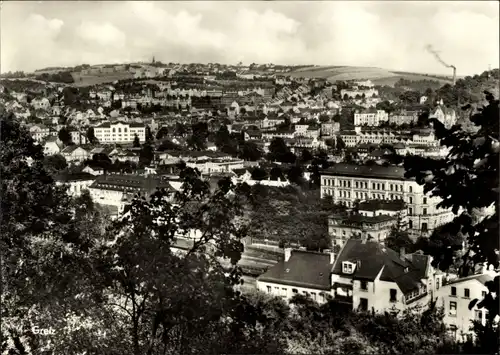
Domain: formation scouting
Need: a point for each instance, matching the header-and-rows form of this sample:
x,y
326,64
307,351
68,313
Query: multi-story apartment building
x,y
346,183
329,129
355,92
39,132
342,227
116,191
404,117
120,132
370,117
365,275
454,298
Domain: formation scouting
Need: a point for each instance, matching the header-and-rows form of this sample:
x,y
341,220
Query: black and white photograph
x,y
249,177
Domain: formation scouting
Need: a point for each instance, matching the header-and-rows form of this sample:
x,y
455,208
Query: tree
x,y
149,134
398,239
54,163
278,150
147,154
162,133
467,181
224,142
306,156
168,145
43,249
64,136
296,175
199,136
276,173
259,174
90,135
136,143
170,300
250,151
102,160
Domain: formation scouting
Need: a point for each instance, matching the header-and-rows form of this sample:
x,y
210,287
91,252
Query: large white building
x,y
120,132
365,275
117,190
370,117
454,298
346,183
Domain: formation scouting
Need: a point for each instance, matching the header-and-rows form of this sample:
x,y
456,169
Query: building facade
x,y
120,132
346,183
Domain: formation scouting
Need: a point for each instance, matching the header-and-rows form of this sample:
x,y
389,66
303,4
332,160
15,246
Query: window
x,y
283,291
114,130
294,290
268,289
424,226
410,188
425,212
277,290
478,314
313,295
363,304
322,297
393,293
410,200
410,224
410,211
453,308
437,284
364,285
347,267
453,291
425,200
466,293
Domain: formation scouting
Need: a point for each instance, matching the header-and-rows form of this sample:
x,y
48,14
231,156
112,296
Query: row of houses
x,y
368,276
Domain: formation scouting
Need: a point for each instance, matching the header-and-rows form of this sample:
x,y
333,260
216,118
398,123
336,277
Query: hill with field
x,y
378,76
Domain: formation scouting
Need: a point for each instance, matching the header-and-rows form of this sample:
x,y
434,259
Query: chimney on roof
x,y
288,254
402,252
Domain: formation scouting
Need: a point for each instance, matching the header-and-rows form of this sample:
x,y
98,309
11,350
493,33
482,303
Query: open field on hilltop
x,y
378,76
89,80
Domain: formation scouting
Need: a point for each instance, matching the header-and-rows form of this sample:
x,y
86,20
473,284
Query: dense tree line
x,y
59,77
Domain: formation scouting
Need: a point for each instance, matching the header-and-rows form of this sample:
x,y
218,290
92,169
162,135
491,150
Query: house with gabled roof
x,y
364,275
454,296
372,277
52,146
74,154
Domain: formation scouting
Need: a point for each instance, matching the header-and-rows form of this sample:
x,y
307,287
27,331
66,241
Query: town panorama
x,y
187,196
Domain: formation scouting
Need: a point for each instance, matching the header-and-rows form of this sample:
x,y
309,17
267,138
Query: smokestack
x,y
454,74
288,253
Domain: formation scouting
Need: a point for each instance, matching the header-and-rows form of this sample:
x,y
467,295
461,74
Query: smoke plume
x,y
436,55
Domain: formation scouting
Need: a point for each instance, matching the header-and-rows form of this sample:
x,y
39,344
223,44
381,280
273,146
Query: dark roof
x,y
373,171
120,182
375,205
67,177
373,257
357,218
303,269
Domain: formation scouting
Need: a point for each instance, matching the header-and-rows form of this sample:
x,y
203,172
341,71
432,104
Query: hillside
x,y
96,79
378,76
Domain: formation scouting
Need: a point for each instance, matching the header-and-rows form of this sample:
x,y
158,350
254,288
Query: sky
x,y
386,34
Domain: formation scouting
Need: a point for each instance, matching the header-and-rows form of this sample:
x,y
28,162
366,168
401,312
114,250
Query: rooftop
x,y
372,171
373,257
375,205
303,269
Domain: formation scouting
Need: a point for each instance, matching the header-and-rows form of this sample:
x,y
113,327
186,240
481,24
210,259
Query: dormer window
x,y
348,267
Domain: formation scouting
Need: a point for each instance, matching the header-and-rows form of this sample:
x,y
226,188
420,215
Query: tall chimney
x,y
288,254
454,75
